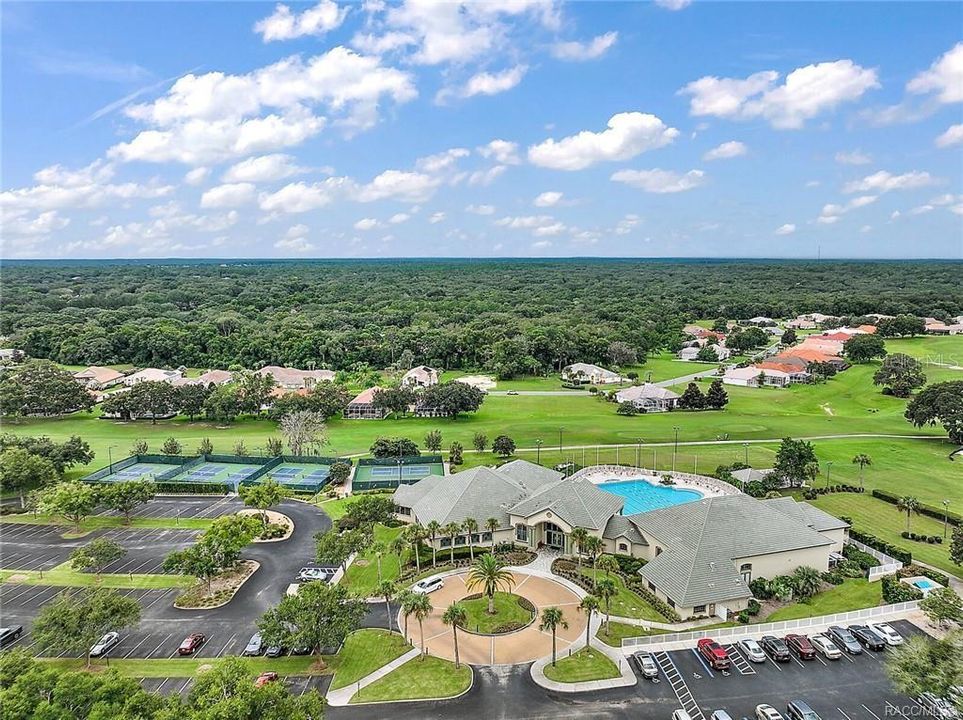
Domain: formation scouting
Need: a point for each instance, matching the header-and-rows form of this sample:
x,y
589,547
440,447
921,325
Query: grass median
x,y
365,651
423,678
192,667
582,666
64,576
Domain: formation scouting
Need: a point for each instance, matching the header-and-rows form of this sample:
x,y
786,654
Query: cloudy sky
x,y
501,128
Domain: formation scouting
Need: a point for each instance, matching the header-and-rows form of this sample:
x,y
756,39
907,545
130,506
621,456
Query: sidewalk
x,y
342,696
627,678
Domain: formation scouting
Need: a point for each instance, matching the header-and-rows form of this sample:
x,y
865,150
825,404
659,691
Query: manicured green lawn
x,y
63,576
107,521
364,652
627,603
336,509
851,595
582,666
419,679
507,611
618,631
886,522
362,577
189,667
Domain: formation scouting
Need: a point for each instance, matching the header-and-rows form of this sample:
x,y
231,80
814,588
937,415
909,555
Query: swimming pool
x,y
643,495
925,584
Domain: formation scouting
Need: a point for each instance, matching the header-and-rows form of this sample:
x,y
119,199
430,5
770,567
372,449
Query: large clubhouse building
x,y
700,556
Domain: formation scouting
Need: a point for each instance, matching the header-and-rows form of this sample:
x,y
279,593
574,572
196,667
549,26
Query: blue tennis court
x,y
388,471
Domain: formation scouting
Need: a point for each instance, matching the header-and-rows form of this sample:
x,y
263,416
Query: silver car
x,y
645,664
104,645
254,646
753,650
825,647
886,631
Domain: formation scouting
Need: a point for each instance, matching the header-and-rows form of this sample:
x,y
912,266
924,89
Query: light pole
x,y
400,462
829,467
538,451
745,445
946,512
675,449
560,440
638,453
110,458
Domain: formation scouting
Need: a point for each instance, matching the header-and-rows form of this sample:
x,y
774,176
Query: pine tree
x,y
717,397
692,398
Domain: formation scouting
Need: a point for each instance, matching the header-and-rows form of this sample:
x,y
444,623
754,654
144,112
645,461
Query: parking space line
x,y
231,640
702,662
742,665
131,651
151,653
773,663
158,599
184,686
796,660
872,713
679,687
844,714
872,654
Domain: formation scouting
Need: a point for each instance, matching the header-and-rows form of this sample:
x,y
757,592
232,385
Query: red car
x,y
714,654
265,677
800,645
191,644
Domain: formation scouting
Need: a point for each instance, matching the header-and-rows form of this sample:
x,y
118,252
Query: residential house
x,y
295,379
152,375
211,377
758,320
809,321
363,408
823,345
11,356
586,373
743,377
648,397
96,377
700,556
749,475
690,353
794,369
421,376
939,328
812,356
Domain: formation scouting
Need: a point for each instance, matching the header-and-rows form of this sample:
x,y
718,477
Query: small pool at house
x,y
642,495
925,584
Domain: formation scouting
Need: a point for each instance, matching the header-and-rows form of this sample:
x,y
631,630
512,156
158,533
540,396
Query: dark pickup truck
x,y
10,634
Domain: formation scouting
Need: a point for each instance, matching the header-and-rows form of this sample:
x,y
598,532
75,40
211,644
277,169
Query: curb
x,y
220,605
471,684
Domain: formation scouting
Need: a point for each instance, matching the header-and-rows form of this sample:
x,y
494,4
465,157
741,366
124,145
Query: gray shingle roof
x,y
578,502
620,526
702,539
806,513
528,475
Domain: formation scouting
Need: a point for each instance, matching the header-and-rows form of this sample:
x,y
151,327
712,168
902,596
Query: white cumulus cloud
x,y
944,77
503,152
486,83
590,50
787,229
660,181
549,198
283,24
952,136
856,157
884,181
726,150
229,195
263,168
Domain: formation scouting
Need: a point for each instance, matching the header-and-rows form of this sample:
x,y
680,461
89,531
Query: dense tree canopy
x,y
940,403
511,316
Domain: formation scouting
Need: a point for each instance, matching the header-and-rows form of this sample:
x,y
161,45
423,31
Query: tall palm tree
x,y
415,534
421,608
552,619
812,472
862,460
455,615
606,589
608,563
379,548
594,547
589,605
471,526
406,599
387,590
452,530
489,574
397,546
909,505
579,535
491,525
433,529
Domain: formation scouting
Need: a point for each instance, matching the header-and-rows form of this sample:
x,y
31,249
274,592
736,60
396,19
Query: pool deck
x,y
703,484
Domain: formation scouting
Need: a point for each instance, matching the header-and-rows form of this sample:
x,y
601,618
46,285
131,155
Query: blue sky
x,y
503,128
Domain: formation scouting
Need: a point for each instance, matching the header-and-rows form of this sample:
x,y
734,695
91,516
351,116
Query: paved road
x,y
573,393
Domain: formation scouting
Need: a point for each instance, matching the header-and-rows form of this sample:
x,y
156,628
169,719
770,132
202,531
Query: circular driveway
x,y
521,646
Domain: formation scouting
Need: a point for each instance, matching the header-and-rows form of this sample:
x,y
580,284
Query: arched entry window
x,y
746,571
554,536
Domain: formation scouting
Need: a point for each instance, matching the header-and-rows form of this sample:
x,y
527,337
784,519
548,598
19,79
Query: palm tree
x,y
489,574
579,535
589,605
552,619
594,547
397,546
405,599
909,505
471,526
387,590
421,608
379,548
606,589
451,530
491,525
862,460
455,615
812,472
806,581
608,563
415,534
433,529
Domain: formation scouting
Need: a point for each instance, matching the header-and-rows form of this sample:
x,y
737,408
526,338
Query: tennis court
x,y
391,474
300,476
215,472
137,471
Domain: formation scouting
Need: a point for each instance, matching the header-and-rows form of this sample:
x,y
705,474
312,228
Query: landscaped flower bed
x,y
223,588
512,612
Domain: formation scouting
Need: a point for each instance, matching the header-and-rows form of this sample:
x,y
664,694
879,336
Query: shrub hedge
x,y
929,510
904,556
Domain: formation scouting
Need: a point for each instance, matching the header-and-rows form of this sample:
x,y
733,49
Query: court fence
x,y
406,460
394,474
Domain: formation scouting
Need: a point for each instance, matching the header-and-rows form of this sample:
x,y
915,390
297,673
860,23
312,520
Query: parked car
x,y
266,677
752,650
767,712
104,645
714,654
310,574
720,715
512,392
645,664
825,647
867,638
775,648
428,585
844,640
10,634
191,644
937,707
798,710
680,714
254,645
800,645
274,651
886,631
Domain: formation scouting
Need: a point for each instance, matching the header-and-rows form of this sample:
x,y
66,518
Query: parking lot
x,y
188,506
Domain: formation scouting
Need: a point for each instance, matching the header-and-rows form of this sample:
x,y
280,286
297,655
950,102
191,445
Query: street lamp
x,y
638,453
675,450
829,467
560,440
538,451
746,446
946,512
400,462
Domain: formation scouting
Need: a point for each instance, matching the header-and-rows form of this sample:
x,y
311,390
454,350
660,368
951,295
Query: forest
x,y
507,316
